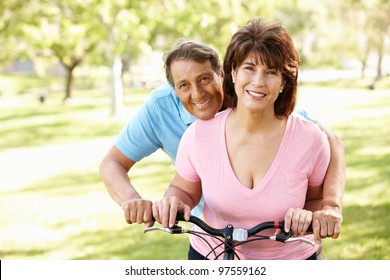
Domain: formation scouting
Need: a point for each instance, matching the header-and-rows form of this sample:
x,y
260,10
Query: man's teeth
x,y
255,94
200,105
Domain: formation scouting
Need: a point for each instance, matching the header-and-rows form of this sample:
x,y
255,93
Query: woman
x,y
249,162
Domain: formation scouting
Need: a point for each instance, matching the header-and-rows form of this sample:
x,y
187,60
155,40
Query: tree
x,y
11,14
378,24
124,38
66,30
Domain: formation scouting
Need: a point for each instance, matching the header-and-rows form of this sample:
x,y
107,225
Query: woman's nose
x,y
258,79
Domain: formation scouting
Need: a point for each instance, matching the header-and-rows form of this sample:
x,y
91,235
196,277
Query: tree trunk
x,y
363,70
69,82
116,89
379,66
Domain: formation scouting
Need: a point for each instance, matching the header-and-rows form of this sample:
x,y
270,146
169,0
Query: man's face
x,y
198,87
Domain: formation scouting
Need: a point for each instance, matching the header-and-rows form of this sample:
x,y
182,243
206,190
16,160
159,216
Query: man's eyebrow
x,y
208,73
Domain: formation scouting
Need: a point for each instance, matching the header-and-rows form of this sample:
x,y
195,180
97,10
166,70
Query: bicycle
x,y
232,237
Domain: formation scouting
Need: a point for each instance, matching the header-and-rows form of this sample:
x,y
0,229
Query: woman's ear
x,y
282,87
233,76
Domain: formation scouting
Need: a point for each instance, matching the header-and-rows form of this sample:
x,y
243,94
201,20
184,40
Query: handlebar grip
x,y
180,217
201,224
310,228
308,231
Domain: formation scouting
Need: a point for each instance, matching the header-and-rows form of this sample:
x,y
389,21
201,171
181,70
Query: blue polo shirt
x,y
159,124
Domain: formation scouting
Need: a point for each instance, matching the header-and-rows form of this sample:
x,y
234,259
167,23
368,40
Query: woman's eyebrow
x,y
249,63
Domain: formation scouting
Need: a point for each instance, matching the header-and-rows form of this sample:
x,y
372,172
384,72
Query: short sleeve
x,y
138,138
186,157
321,161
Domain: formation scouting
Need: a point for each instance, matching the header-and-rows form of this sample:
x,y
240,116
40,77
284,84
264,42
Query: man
x,y
193,71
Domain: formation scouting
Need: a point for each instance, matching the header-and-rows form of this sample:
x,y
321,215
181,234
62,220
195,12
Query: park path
x,y
21,166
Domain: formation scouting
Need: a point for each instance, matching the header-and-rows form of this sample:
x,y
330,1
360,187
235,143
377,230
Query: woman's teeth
x,y
256,94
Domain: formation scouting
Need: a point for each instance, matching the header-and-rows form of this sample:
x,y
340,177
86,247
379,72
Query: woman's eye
x,y
272,72
249,68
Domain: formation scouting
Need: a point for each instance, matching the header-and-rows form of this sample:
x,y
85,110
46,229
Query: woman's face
x,y
257,86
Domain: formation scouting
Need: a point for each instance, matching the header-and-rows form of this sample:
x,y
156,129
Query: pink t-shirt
x,y
302,160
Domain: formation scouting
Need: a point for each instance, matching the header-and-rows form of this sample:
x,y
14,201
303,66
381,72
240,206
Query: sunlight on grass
x,y
363,121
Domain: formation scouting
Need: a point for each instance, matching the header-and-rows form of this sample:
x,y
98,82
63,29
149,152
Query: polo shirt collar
x,y
186,117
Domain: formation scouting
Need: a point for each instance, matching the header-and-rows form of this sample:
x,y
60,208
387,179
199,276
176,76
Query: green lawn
x,y
54,205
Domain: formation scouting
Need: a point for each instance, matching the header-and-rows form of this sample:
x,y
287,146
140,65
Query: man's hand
x,y
138,211
327,223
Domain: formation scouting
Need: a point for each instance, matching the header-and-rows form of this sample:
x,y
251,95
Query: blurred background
x,y
73,72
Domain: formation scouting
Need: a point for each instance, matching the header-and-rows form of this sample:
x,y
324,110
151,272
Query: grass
x,y
54,205
362,119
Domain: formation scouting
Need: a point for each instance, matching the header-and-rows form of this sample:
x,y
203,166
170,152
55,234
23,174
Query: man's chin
x,y
205,115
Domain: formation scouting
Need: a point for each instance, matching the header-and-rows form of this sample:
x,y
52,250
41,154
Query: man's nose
x,y
196,92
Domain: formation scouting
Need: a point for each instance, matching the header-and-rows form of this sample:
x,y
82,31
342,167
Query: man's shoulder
x,y
163,91
301,111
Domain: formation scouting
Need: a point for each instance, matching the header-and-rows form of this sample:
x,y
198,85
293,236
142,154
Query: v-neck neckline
x,y
275,163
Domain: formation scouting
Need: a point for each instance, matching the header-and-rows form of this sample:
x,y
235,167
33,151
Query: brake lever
x,y
171,230
301,239
282,237
286,237
168,230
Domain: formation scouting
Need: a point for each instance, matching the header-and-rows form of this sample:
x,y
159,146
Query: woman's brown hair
x,y
273,46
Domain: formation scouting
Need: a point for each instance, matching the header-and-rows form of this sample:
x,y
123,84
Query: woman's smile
x,y
256,94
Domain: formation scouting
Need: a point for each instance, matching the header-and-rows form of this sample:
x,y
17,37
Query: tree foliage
x,y
115,33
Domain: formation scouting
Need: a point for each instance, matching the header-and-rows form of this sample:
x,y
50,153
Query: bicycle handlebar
x,y
201,224
239,234
230,233
219,232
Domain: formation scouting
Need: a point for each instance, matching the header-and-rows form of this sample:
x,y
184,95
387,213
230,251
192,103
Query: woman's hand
x,y
165,210
297,220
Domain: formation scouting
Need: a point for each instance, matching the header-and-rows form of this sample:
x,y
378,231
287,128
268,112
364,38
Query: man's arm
x,y
336,173
114,170
327,220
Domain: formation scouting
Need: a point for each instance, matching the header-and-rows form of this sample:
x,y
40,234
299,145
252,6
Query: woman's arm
x,y
314,198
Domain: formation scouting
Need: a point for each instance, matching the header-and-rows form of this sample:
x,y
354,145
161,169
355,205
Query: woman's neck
x,y
254,122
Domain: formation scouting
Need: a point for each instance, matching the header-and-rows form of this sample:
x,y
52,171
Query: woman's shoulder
x,y
211,126
305,126
220,116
